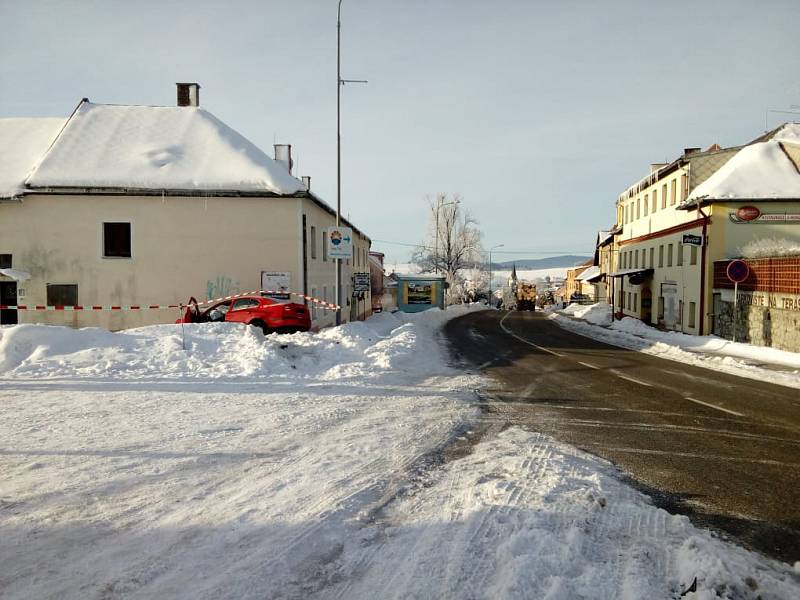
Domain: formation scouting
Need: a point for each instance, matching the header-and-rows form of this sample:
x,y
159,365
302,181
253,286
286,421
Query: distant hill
x,y
568,260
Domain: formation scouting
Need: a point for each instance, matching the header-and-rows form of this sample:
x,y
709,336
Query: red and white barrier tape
x,y
34,307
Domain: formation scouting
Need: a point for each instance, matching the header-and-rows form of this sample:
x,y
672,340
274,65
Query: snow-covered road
x,y
308,466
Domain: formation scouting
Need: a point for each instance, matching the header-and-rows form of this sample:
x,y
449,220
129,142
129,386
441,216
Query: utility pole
x,y
339,83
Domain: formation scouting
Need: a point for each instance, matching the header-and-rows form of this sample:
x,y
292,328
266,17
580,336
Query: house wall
x,y
181,246
322,270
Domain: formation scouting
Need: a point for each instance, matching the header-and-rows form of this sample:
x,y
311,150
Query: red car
x,y
267,313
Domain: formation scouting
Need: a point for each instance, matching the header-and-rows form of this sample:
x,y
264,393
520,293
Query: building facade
x,y
180,206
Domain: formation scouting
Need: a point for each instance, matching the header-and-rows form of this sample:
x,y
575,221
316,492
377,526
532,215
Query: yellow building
x,y
676,222
143,205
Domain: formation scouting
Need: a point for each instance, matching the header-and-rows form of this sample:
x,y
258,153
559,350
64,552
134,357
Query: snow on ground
x,y
745,360
308,465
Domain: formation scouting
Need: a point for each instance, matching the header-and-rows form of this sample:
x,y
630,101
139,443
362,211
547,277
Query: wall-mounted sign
x,y
279,283
752,214
737,271
690,239
340,242
361,282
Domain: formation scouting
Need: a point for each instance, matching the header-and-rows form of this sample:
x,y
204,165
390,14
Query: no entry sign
x,y
737,271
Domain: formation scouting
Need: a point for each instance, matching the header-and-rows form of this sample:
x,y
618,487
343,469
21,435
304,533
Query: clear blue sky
x,y
538,113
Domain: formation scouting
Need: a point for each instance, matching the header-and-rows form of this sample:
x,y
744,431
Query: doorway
x,y
8,296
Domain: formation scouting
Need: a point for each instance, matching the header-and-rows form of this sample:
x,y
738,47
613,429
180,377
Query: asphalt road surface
x,y
721,449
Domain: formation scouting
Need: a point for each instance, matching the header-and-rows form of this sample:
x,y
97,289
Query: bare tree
x,y
453,241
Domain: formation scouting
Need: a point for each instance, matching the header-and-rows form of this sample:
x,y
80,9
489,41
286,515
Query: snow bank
x,y
383,344
599,314
708,351
524,516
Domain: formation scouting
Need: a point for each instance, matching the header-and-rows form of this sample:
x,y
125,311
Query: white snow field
x,y
710,351
309,465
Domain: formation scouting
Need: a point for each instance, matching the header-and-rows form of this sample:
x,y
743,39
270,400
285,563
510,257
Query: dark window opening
x,y
117,240
5,261
59,294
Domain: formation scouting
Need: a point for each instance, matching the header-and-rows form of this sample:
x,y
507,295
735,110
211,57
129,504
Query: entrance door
x,y
8,295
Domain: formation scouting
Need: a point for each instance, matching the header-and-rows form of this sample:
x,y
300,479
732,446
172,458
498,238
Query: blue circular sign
x,y
738,271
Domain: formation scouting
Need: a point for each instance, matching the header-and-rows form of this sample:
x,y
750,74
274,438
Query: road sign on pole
x,y
737,271
340,242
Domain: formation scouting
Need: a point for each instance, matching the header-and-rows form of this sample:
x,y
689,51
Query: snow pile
x,y
770,247
524,516
744,360
598,314
23,142
757,171
157,147
386,343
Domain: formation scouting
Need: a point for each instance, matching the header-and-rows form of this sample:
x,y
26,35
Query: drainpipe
x,y
706,221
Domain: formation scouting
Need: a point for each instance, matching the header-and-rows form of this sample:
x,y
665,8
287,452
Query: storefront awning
x,y
630,272
16,274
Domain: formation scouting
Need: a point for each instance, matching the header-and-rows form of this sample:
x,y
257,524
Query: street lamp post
x,y
339,83
490,270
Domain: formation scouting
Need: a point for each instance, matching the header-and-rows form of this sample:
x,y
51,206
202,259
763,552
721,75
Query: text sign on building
x,y
340,242
361,282
278,283
690,239
737,271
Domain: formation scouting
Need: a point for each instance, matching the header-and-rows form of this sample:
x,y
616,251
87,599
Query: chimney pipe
x,y
307,182
188,94
283,155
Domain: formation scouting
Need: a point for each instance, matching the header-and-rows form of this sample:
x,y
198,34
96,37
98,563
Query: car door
x,y
240,311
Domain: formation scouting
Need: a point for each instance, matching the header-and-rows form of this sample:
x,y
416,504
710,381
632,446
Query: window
x,y
669,255
5,261
646,204
684,187
243,303
638,208
627,299
664,196
635,301
661,256
116,240
313,242
314,304
324,247
691,314
680,255
59,294
673,191
636,259
655,200
693,256
652,253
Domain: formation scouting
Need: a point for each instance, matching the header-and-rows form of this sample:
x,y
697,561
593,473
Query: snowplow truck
x,y
526,296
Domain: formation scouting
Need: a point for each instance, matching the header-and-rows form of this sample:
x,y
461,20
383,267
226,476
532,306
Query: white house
x,y
149,205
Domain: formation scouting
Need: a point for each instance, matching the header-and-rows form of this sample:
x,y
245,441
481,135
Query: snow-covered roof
x,y
23,142
588,274
759,170
157,148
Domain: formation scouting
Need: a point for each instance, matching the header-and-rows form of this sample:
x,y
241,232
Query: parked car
x,y
272,316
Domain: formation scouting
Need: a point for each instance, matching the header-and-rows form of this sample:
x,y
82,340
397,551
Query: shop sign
x,y
690,239
278,283
361,282
752,214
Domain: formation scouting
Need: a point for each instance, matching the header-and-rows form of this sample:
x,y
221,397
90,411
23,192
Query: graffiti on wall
x,y
221,286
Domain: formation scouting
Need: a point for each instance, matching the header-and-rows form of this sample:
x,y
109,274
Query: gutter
x,y
703,259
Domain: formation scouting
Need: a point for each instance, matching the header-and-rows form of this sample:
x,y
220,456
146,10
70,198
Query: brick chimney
x,y
188,94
